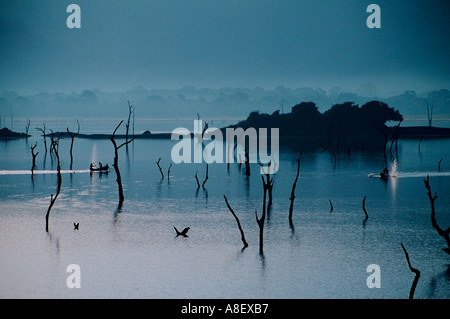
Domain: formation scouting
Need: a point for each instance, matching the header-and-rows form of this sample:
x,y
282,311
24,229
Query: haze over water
x,y
135,254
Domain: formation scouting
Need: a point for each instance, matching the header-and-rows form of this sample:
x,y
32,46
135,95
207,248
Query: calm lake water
x,y
134,253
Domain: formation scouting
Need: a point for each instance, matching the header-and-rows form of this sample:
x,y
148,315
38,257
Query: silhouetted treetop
x,y
342,111
306,109
381,111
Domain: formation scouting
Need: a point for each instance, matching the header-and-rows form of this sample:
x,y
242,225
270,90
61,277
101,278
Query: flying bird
x,y
182,233
75,226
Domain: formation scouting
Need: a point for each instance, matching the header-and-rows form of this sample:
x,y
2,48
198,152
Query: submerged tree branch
x,y
55,146
206,177
130,110
260,221
44,136
168,171
196,178
292,197
364,207
416,271
238,223
160,169
34,155
443,233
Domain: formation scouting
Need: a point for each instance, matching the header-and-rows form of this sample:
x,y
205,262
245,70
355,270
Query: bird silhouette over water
x,y
182,233
75,226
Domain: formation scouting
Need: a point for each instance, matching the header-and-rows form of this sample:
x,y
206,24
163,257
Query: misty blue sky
x,y
224,43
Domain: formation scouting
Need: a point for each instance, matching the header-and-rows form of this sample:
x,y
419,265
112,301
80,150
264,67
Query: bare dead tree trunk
x,y
72,136
394,137
420,141
196,178
443,233
116,163
160,169
130,110
206,177
238,223
42,130
247,162
168,171
204,129
52,145
246,157
269,190
34,155
291,206
55,146
364,207
269,183
116,168
416,271
260,221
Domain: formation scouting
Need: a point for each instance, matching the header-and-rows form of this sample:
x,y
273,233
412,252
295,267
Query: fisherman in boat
x,y
99,169
384,173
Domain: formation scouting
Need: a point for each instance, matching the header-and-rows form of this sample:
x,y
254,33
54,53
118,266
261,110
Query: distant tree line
x,y
222,102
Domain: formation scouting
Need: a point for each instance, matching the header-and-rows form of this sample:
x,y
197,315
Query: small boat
x,y
99,169
384,174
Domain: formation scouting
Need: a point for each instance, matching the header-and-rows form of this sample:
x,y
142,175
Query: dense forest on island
x,y
344,127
